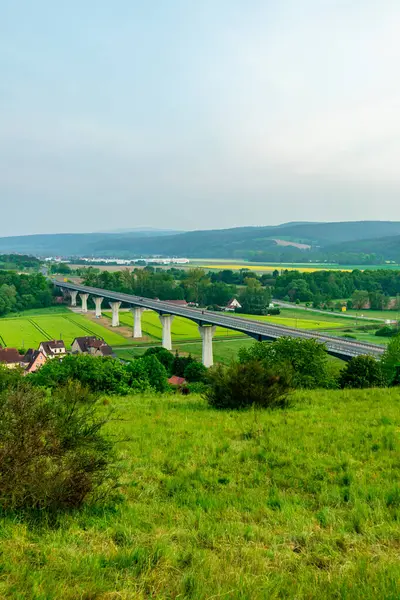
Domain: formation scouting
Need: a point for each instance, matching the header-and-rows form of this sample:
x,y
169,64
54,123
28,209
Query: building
x,y
233,304
53,348
91,345
10,357
34,359
177,381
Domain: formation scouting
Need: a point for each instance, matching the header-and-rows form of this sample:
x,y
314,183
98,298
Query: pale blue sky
x,y
184,114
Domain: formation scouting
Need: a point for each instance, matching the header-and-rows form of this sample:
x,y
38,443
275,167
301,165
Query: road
x,y
342,348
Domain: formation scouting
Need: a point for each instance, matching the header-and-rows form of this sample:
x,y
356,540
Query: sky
x,y
180,114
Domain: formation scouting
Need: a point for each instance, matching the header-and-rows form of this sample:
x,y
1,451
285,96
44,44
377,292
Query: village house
x,y
91,345
53,348
10,357
233,304
33,360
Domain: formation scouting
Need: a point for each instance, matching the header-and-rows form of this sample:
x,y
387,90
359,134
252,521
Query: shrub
x,y
180,364
390,361
307,359
274,311
386,331
53,454
156,373
165,357
362,372
249,384
195,372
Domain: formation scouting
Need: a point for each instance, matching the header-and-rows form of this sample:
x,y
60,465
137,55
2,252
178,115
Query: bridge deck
x,y
259,330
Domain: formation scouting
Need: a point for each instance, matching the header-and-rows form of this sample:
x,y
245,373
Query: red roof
x,y
10,355
177,302
175,380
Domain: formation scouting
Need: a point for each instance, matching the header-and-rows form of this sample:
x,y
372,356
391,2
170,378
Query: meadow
x,y
299,503
26,332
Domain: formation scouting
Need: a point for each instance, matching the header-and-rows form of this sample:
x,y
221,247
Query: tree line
x,y
22,292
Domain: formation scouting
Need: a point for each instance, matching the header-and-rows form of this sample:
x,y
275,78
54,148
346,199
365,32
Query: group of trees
x,y
193,285
21,292
19,262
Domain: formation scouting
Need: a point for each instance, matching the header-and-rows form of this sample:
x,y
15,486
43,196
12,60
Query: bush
x,y
195,372
306,358
390,361
362,372
386,331
181,363
250,384
165,357
274,311
53,454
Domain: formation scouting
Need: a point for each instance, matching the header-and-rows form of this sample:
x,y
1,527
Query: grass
x,y
34,312
26,332
302,503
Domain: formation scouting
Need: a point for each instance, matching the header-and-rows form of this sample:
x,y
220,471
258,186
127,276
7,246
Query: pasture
x,y
299,503
26,332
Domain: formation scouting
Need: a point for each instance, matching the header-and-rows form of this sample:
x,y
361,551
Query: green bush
x,y
386,331
242,385
362,372
53,454
195,372
165,357
306,358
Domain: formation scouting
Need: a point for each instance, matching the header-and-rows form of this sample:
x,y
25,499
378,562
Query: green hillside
x,y
299,503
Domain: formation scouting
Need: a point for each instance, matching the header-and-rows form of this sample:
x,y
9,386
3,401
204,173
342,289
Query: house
x,y
10,357
34,359
53,348
175,380
91,345
233,304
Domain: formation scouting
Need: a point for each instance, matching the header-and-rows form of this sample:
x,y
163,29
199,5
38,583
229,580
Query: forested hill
x,y
346,242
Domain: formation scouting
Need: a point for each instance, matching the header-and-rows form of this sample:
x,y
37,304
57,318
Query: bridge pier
x,y
98,300
73,294
207,332
84,299
137,321
166,321
115,313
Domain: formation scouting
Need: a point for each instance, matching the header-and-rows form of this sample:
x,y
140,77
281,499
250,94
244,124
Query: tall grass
x,y
298,503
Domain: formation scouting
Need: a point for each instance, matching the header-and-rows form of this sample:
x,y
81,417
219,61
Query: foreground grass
x,y
301,503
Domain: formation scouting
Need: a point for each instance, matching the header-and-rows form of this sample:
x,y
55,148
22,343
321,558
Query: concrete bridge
x,y
206,321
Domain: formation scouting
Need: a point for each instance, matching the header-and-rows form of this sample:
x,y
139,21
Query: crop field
x,y
235,265
298,503
24,332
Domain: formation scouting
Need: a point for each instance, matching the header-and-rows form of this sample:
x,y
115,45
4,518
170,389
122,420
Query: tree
x,y
195,372
165,357
180,364
53,454
254,298
390,361
307,359
250,384
156,373
362,372
360,299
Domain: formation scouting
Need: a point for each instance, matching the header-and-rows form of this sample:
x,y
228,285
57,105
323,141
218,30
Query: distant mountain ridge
x,y
326,241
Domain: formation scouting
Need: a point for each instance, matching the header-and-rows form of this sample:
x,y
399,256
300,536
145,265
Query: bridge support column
x,y
115,313
137,321
84,299
207,332
166,321
73,294
98,300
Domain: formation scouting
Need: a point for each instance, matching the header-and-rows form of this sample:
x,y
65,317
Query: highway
x,y
340,347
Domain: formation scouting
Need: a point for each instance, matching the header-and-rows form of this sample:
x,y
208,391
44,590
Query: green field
x,y
23,332
302,503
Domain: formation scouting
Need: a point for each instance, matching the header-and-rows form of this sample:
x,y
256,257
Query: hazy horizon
x,y
201,116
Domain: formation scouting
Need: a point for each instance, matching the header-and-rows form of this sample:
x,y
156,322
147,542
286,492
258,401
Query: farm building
x,y
53,348
91,345
10,357
233,304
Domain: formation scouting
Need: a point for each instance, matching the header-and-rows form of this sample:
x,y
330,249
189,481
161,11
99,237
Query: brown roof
x,y
10,355
50,345
87,341
106,350
175,380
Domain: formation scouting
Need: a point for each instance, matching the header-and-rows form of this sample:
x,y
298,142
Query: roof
x,y
29,355
35,355
175,380
50,345
88,341
106,350
10,356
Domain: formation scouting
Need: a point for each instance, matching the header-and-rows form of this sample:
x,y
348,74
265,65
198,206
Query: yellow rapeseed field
x,y
237,267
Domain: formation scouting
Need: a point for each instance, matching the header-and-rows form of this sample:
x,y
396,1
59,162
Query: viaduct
x,y
207,322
